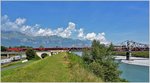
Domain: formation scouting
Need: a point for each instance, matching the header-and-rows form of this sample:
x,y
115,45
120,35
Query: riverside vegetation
x,y
144,54
101,62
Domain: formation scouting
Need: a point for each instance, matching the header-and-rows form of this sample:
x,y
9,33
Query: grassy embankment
x,y
58,68
144,54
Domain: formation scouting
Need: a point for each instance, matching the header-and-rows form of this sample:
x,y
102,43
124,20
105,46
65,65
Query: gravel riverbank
x,y
134,60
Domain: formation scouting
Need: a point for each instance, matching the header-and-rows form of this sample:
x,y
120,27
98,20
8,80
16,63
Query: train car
x,y
15,49
15,58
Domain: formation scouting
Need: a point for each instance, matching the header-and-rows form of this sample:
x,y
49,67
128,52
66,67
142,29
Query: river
x,y
131,72
134,73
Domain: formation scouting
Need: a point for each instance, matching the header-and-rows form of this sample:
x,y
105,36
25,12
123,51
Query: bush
x,y
97,69
144,54
3,48
111,72
86,56
30,53
101,62
44,55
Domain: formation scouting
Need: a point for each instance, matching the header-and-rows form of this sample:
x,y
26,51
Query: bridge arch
x,y
44,55
39,53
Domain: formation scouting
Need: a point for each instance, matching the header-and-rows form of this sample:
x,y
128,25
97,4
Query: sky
x,y
110,21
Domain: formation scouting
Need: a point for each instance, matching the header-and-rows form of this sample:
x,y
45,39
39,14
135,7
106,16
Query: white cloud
x,y
37,30
101,37
5,18
81,34
91,36
7,25
25,28
68,31
20,21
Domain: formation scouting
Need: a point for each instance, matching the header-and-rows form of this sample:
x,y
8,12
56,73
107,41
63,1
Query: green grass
x,y
13,70
78,71
144,54
62,67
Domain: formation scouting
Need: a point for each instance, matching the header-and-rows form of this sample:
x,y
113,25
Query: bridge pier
x,y
128,55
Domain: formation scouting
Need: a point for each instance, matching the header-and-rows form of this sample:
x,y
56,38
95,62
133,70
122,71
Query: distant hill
x,y
13,38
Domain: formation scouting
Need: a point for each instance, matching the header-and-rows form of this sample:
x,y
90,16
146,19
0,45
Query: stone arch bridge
x,y
39,53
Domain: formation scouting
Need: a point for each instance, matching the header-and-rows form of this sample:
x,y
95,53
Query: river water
x,y
130,72
134,73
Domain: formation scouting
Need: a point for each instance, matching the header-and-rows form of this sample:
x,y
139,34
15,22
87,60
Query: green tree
x,y
9,47
97,69
86,56
41,46
103,63
3,48
31,54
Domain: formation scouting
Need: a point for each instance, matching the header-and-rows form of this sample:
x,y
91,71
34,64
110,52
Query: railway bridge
x,y
127,46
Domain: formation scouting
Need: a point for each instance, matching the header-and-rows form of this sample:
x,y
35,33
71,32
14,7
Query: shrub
x,y
102,64
30,53
3,48
97,69
86,56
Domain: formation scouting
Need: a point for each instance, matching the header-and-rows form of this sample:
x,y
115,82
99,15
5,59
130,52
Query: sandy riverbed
x,y
134,60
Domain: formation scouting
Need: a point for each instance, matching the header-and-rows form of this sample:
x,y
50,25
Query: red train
x,y
48,49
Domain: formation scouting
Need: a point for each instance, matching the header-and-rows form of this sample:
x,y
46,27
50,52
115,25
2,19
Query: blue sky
x,y
119,21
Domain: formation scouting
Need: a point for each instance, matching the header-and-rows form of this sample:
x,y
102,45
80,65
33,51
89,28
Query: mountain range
x,y
14,38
